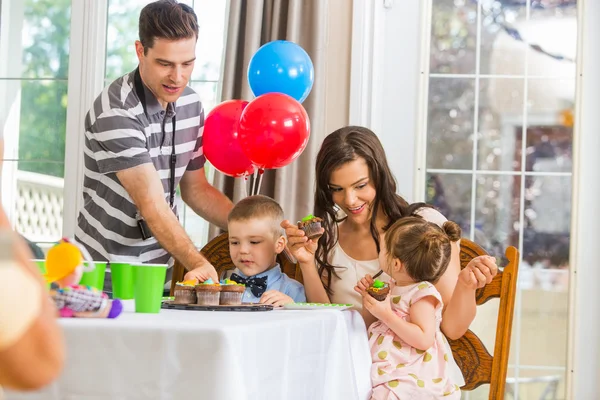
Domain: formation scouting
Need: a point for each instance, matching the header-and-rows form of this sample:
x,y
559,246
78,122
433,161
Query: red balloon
x,y
274,130
220,139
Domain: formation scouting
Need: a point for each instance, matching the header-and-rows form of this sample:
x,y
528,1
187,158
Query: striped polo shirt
x,y
121,133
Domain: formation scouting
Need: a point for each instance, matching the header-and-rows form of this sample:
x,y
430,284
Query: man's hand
x,y
203,273
275,298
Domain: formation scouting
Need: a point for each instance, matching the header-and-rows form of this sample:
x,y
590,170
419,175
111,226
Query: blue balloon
x,y
282,67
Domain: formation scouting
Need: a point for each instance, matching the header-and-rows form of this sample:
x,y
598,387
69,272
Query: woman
x,y
356,197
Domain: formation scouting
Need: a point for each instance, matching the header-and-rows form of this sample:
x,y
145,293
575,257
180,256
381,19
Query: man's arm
x,y
144,186
205,199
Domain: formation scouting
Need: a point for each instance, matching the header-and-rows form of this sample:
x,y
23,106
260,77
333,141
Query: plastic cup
x,y
41,265
95,278
122,280
148,282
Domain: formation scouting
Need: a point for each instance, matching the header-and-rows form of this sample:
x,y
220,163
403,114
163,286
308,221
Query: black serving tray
x,y
247,307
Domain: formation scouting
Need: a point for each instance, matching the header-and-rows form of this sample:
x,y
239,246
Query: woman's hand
x,y
479,272
362,285
276,298
299,245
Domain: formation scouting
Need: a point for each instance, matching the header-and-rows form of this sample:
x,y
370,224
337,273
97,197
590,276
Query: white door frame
x,y
86,81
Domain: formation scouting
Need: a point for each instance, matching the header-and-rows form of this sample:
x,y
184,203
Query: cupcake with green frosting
x,y
379,290
311,226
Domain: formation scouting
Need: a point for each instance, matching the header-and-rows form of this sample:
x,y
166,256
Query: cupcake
x,y
311,226
379,290
231,293
185,292
208,293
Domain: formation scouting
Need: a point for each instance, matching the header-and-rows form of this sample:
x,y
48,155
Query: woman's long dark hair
x,y
340,147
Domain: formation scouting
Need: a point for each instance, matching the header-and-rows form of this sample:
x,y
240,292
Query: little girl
x,y
407,346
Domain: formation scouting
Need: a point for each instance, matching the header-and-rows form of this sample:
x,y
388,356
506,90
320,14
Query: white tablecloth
x,y
281,354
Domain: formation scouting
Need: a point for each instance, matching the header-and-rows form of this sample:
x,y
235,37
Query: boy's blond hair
x,y
258,207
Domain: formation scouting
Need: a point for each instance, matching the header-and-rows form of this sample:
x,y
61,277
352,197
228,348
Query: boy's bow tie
x,y
257,285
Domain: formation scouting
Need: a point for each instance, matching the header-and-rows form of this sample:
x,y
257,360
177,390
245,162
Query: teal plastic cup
x,y
94,278
148,283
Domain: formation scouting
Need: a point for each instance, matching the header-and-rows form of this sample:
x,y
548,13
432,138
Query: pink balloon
x,y
220,140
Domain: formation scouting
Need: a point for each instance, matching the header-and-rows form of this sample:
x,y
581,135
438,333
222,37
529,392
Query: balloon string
x,y
260,175
245,186
254,181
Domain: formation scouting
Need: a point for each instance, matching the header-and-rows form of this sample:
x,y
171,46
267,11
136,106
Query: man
x,y
134,162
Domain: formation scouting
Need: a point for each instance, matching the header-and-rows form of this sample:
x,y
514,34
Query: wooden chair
x,y
476,363
217,253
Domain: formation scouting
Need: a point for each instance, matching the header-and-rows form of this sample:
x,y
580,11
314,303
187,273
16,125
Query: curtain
x,y
323,29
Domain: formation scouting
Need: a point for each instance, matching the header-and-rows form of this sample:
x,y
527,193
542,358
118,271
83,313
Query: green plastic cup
x,y
94,278
148,283
41,265
122,280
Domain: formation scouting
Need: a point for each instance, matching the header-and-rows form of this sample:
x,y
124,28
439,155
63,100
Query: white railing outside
x,y
39,206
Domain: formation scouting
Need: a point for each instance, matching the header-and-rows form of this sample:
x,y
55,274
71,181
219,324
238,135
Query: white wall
x,y
389,106
585,311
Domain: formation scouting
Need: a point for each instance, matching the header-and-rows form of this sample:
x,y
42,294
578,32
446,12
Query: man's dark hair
x,y
166,19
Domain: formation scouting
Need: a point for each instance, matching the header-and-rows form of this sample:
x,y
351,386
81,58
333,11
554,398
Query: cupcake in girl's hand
x,y
379,290
311,226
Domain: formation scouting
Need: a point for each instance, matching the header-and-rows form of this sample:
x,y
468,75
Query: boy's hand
x,y
202,273
362,285
275,298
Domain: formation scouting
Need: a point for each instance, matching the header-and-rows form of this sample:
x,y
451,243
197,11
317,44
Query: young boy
x,y
255,240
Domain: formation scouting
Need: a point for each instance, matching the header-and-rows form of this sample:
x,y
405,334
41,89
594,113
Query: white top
x,y
351,271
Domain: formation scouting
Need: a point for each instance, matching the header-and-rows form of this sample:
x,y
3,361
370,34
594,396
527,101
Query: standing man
x,y
143,139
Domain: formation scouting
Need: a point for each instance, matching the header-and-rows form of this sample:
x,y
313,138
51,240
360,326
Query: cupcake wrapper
x,y
378,296
313,229
231,298
185,297
208,298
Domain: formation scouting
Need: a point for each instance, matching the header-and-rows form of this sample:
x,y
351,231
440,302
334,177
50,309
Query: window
x,y
34,61
499,159
488,139
36,51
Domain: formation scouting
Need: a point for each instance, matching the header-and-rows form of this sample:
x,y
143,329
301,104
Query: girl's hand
x,y
299,245
379,309
275,298
364,284
479,272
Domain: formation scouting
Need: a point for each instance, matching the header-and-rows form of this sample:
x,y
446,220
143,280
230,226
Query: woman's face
x,y
353,190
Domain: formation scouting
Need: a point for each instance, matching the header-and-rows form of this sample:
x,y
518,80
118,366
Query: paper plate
x,y
316,306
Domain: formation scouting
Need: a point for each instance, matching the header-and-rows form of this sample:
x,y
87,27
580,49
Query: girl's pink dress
x,y
400,371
